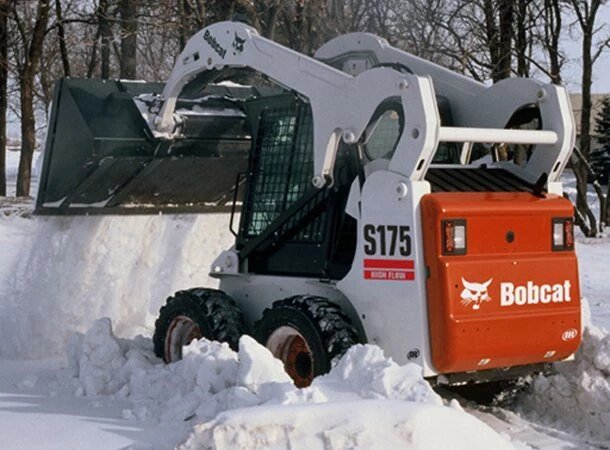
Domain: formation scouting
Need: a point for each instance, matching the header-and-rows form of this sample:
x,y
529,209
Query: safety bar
x,y
500,135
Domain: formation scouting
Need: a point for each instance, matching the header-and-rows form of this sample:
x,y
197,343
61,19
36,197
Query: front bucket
x,y
101,157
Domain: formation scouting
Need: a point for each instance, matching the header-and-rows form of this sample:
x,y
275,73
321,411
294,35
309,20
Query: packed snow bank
x,y
245,399
212,378
58,274
361,424
578,396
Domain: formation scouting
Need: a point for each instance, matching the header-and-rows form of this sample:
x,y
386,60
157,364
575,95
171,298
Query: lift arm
x,y
480,113
342,105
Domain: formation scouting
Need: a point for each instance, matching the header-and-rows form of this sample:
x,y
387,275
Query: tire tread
x,y
219,312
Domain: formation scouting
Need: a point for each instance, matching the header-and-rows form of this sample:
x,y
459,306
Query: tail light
x,y
454,237
563,233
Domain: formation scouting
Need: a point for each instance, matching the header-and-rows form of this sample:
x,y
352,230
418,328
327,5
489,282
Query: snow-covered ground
x,y
12,166
68,381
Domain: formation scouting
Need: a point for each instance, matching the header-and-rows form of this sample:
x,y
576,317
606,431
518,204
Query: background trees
x,y
602,122
3,90
43,40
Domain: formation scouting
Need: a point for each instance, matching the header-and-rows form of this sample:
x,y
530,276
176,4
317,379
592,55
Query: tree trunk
x,y
28,120
28,135
521,41
3,90
553,18
105,34
585,130
61,33
184,23
585,117
506,39
129,34
580,170
491,34
93,60
586,13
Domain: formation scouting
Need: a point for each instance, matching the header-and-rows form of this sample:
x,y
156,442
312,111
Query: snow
x,y
246,399
211,112
46,416
96,383
12,167
59,274
594,261
370,424
578,396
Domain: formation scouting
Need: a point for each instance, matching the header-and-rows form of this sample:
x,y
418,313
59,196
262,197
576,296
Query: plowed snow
x,y
245,399
58,275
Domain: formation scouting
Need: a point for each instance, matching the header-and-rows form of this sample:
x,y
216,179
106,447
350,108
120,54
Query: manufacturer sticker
x,y
387,240
238,44
531,293
389,269
475,293
569,335
413,354
216,46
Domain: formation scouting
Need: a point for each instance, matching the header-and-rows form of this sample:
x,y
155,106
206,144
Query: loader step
x,y
479,179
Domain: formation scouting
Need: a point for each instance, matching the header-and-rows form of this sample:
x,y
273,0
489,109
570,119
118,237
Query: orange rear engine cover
x,y
510,299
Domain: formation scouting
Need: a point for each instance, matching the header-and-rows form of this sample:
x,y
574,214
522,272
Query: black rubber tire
x,y
327,331
213,311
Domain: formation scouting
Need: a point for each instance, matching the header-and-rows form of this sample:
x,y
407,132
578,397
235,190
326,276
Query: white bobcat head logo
x,y
475,293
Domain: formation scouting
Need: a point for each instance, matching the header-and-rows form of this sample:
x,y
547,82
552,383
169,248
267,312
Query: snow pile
x,y
58,274
578,396
366,372
362,424
211,377
245,399
366,401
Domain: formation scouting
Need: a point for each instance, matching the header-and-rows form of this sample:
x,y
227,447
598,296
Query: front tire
x,y
195,314
306,333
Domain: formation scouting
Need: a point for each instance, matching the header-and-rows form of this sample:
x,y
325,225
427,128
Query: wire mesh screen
x,y
282,168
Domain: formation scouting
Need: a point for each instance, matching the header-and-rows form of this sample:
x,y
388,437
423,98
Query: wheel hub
x,y
289,345
181,331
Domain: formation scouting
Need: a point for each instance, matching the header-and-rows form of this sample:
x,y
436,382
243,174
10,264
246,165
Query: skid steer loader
x,y
382,199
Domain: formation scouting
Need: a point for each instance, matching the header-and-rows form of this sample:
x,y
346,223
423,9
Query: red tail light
x,y
563,234
454,237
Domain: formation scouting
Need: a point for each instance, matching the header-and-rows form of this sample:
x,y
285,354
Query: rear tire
x,y
195,314
306,333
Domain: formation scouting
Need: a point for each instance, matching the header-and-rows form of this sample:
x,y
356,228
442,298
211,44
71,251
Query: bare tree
x,y
4,12
586,12
499,33
523,37
128,10
506,17
552,20
61,33
32,43
105,34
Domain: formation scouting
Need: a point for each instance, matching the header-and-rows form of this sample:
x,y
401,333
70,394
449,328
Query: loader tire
x,y
195,314
306,333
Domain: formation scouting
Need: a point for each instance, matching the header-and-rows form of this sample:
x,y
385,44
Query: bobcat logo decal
x,y
238,43
475,293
